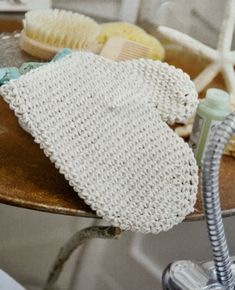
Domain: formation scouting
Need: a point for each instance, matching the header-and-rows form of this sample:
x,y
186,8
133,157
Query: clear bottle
x,y
211,111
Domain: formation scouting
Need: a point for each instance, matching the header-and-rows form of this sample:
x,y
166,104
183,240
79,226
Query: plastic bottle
x,y
210,112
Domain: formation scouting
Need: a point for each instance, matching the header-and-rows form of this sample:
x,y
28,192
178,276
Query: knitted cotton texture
x,y
102,124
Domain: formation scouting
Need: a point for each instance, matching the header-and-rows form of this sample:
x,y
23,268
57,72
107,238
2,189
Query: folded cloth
x,y
102,124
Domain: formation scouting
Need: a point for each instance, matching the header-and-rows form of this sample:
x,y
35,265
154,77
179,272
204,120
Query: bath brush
x,y
47,31
134,33
102,123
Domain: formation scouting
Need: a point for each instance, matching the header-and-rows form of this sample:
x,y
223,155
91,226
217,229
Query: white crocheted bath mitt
x,y
97,121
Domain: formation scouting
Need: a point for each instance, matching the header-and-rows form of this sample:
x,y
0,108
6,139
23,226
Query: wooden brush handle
x,y
36,48
46,52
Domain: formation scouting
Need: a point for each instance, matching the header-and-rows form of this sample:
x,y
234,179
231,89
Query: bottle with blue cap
x,y
211,111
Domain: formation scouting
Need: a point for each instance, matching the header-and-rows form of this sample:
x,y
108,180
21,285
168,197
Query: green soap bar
x,y
28,66
8,73
62,54
2,73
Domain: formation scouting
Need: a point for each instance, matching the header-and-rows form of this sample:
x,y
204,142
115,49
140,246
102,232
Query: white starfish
x,y
222,59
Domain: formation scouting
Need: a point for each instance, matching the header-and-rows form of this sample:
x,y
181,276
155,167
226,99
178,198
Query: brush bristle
x,y
59,28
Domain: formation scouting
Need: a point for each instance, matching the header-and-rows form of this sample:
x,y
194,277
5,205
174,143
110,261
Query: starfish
x,y
221,59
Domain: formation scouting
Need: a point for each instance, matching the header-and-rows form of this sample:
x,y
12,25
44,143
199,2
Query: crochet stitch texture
x,y
102,124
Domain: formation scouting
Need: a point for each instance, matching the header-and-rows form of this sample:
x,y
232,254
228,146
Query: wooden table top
x,y
28,179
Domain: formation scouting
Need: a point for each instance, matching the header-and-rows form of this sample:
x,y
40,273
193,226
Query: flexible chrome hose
x,y
212,207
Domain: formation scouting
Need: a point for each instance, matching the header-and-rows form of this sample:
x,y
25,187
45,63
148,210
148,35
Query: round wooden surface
x,y
28,179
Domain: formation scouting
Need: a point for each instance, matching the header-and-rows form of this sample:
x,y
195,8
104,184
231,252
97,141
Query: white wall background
x,y
30,240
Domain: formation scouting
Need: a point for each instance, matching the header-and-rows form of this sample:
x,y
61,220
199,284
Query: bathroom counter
x,y
28,179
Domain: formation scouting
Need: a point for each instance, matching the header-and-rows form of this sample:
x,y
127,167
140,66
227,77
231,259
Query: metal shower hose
x,y
210,183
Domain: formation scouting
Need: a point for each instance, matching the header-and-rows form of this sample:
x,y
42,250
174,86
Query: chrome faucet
x,y
219,274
